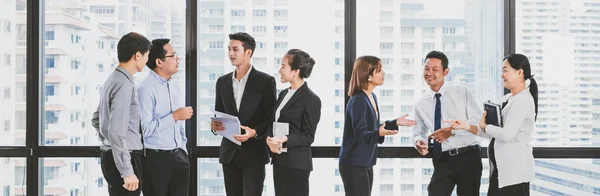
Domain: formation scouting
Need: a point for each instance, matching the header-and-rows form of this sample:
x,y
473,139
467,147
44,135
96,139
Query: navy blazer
x,y
302,112
361,131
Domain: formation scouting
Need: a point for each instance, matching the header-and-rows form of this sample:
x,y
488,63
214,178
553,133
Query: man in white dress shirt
x,y
457,160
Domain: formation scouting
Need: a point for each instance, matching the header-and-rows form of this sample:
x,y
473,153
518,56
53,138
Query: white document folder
x,y
281,129
231,124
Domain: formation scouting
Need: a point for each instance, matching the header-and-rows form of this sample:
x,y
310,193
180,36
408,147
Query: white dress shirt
x,y
457,104
514,154
239,86
287,97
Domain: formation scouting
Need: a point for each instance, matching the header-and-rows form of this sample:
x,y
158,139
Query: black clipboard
x,y
494,113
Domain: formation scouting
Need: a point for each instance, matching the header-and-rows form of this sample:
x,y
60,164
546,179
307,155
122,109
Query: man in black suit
x,y
248,94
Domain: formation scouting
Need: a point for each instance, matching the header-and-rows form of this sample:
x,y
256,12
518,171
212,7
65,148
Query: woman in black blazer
x,y
299,108
362,131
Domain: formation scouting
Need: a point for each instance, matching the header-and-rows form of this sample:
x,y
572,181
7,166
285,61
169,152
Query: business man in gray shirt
x,y
117,119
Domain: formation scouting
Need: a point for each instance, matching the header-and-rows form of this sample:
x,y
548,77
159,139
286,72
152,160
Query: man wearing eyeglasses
x,y
167,166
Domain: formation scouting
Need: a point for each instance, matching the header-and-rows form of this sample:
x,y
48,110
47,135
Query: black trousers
x,y
462,170
243,180
113,176
358,180
166,173
290,181
521,189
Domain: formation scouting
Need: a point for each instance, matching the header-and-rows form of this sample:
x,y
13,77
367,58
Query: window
x,y
339,188
416,29
386,16
280,45
339,29
50,62
7,125
273,16
338,109
100,182
7,92
259,13
337,124
407,32
7,60
50,90
386,31
338,93
215,28
75,167
280,14
428,32
428,47
386,187
338,140
215,45
280,29
74,192
337,77
387,93
259,29
407,48
6,190
405,141
7,26
238,28
448,30
386,46
238,13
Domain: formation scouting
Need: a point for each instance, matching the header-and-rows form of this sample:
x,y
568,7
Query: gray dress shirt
x,y
117,119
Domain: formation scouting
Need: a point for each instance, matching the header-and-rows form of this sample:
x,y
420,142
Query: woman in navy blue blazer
x,y
362,131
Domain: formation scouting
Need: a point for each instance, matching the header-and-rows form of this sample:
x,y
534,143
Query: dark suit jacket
x,y
256,111
302,112
361,131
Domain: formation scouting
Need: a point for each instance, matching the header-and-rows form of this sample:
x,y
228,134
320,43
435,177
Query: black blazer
x,y
361,131
302,112
256,111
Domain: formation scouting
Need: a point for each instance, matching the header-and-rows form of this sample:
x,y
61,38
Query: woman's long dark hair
x,y
519,61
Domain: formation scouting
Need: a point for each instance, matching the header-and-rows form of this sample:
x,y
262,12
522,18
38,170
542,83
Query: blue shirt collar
x,y
160,79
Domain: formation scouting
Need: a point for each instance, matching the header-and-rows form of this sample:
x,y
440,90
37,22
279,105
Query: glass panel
x,y
13,31
391,177
277,27
560,39
566,177
13,181
80,42
411,177
470,37
72,176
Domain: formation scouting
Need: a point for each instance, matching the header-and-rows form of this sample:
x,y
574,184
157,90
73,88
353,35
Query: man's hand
x,y
217,125
422,147
244,137
402,121
442,134
183,113
384,132
131,183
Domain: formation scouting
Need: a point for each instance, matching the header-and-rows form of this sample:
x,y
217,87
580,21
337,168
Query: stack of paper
x,y
231,124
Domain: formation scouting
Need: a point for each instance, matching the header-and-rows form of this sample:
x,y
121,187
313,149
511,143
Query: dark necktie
x,y
437,147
